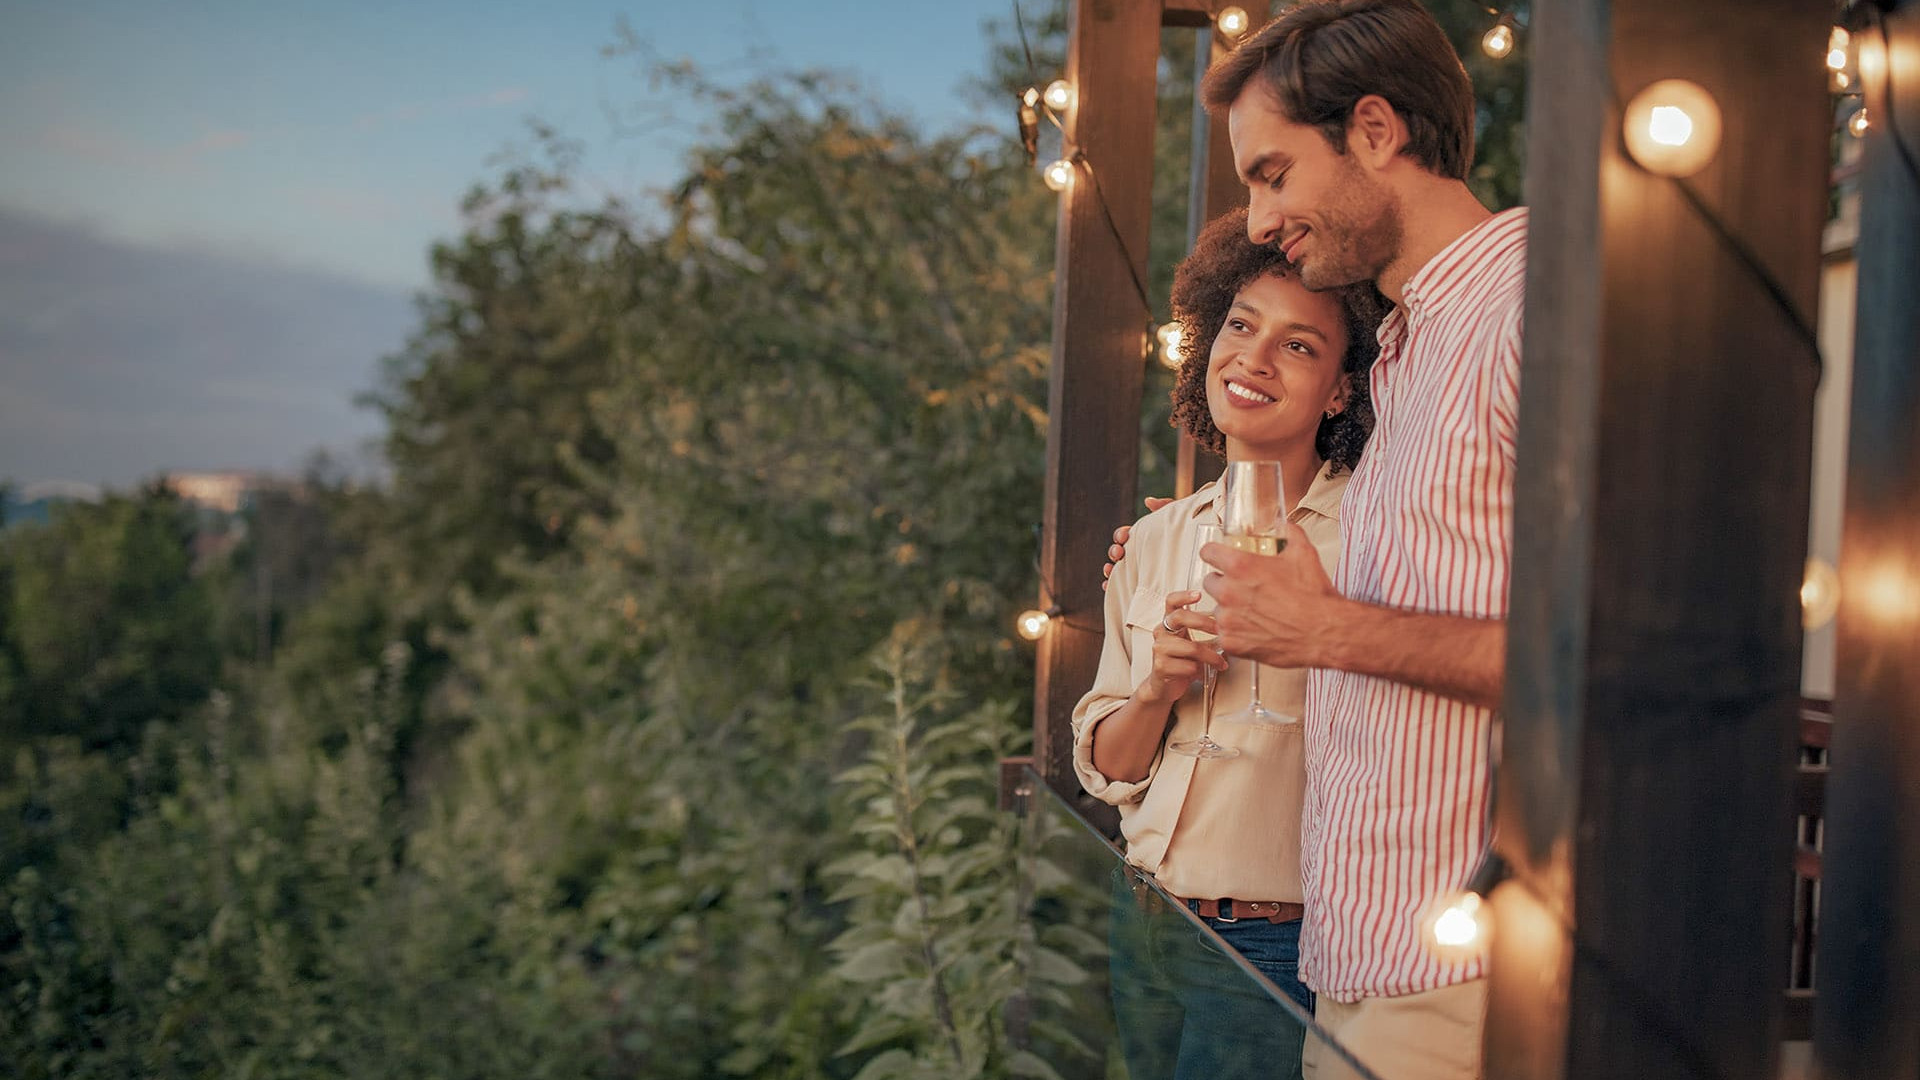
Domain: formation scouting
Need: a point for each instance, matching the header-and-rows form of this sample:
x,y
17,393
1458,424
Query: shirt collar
x,y
1436,283
1322,497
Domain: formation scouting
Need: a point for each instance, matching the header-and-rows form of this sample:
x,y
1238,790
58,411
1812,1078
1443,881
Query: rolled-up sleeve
x,y
1114,684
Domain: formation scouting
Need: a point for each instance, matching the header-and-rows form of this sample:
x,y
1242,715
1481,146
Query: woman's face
x,y
1274,369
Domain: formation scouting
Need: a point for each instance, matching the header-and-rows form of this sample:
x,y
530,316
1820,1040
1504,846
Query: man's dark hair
x,y
1316,60
1223,262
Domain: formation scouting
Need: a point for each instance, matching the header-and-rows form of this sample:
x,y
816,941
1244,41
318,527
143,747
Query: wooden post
x,y
1099,353
1215,189
1650,721
1867,987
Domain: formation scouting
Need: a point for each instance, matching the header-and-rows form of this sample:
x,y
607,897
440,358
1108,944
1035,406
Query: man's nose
x,y
1263,220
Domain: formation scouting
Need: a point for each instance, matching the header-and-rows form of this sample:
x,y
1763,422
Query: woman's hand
x,y
1178,660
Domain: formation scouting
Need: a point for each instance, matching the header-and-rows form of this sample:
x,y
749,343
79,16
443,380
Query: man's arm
x,y
1283,611
1451,655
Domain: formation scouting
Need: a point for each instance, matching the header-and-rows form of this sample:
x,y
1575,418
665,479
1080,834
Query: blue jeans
x,y
1185,1011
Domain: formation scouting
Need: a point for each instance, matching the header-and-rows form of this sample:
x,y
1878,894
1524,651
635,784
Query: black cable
x,y
1020,24
1133,272
1802,326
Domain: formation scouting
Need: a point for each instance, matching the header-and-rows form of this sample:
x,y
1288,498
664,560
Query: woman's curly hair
x,y
1222,263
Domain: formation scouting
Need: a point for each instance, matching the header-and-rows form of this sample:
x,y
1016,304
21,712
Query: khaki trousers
x,y
1432,1035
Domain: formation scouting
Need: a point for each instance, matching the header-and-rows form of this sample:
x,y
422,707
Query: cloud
x,y
398,114
362,205
119,360
106,147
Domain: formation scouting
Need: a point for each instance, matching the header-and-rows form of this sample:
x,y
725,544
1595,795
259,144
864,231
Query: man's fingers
x,y
1155,503
1225,559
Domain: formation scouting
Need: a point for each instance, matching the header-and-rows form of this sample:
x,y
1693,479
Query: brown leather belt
x,y
1234,910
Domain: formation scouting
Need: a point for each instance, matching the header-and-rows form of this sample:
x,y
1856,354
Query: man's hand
x,y
1282,611
1118,549
1276,609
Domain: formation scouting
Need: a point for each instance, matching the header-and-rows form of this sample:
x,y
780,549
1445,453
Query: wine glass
x,y
1197,570
1253,516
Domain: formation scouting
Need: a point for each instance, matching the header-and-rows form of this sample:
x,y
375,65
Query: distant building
x,y
223,491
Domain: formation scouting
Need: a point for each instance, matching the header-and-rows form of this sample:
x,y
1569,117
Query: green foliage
x,y
930,948
106,626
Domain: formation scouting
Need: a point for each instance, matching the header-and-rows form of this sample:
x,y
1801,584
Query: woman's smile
x,y
1245,396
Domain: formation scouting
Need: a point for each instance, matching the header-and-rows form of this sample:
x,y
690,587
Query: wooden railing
x,y
1810,799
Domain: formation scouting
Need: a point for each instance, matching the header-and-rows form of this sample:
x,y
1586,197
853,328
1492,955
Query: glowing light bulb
x,y
1498,42
1059,95
1841,80
1059,175
1838,38
1032,624
1456,927
1170,335
1858,123
1031,97
1836,59
1672,128
1819,594
1232,22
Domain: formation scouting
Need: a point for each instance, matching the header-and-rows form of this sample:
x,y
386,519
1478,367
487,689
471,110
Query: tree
x,y
110,628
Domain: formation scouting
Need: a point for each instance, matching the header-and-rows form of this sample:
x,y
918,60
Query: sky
x,y
214,213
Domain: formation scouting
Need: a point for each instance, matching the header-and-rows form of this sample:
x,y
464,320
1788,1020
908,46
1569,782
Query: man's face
x,y
1332,219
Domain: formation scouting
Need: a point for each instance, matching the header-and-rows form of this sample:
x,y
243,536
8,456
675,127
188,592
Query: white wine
x,y
1259,545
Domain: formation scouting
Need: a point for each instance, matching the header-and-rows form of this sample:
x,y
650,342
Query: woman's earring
x,y
1329,414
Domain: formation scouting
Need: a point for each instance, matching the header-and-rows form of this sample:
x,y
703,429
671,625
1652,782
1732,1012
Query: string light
x,y
1672,128
1032,623
1059,175
1232,22
1857,124
1031,97
1457,926
1170,335
1819,594
1059,95
1841,80
1498,42
1837,42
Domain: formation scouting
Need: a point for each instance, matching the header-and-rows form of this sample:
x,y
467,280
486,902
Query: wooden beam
x,y
1215,189
1651,725
1099,342
1869,986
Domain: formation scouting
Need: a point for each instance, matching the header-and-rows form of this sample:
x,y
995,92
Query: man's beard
x,y
1357,238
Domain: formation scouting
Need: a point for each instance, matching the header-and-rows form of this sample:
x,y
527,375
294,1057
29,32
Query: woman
x,y
1275,372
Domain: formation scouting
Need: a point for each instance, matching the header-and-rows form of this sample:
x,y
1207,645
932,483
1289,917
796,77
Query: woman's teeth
x,y
1248,394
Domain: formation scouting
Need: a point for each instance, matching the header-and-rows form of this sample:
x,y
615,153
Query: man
x,y
1352,127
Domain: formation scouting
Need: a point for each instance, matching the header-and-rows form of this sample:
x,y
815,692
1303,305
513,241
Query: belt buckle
x,y
1226,908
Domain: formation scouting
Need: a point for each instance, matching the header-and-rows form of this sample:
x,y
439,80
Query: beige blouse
x,y
1221,827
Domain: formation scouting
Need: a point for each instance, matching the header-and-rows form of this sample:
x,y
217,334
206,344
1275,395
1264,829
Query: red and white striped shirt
x,y
1397,778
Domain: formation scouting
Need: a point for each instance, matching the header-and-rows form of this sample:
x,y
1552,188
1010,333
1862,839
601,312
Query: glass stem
x,y
1254,705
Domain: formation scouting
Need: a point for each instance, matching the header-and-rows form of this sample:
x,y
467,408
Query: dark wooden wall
x,y
1651,725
